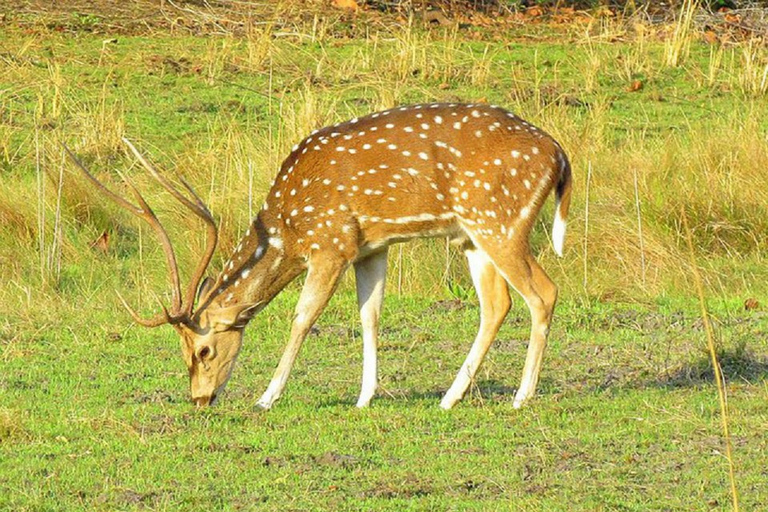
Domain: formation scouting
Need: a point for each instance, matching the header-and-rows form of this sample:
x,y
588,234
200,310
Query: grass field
x,y
94,412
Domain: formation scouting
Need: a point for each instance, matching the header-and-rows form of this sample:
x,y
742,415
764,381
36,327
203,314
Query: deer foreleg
x,y
323,276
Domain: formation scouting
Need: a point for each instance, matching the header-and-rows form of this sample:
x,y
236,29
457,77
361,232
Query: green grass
x,y
96,416
94,412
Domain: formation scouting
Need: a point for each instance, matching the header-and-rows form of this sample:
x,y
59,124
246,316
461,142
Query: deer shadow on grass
x,y
486,390
735,365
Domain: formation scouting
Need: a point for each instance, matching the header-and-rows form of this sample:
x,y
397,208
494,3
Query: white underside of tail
x,y
558,232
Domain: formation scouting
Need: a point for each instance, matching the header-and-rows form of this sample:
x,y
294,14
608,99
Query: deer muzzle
x,y
204,401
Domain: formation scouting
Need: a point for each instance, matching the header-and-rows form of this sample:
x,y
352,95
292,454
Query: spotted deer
x,y
475,174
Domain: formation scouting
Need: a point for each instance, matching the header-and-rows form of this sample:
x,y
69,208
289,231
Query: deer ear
x,y
237,316
204,288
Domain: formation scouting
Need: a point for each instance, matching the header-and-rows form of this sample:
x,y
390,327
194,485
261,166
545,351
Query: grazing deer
x,y
476,174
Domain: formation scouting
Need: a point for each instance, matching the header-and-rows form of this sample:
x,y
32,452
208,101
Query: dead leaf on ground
x,y
534,11
604,12
751,304
346,4
711,37
480,20
101,243
437,17
635,86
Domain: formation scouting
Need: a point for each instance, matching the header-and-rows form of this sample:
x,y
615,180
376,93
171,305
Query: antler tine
x,y
99,185
155,321
144,212
149,216
167,185
210,247
199,208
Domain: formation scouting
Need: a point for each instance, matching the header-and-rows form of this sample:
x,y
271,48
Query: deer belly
x,y
379,232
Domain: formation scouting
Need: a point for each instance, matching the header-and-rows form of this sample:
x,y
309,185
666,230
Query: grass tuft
x,y
11,426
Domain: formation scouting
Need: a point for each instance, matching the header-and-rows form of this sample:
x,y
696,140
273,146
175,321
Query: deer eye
x,y
204,353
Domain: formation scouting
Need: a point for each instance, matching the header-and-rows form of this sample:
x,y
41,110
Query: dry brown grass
x,y
637,187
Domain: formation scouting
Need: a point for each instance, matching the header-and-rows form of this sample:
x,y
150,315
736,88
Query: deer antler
x,y
198,208
181,310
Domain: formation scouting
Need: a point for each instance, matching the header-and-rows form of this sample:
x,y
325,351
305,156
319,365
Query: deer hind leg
x,y
526,276
323,274
541,296
493,295
370,277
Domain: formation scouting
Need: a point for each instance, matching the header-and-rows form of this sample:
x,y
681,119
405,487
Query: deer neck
x,y
258,269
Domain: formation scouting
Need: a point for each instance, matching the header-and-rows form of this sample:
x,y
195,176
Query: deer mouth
x,y
205,401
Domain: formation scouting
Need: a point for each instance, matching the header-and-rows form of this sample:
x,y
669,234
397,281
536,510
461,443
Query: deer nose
x,y
204,401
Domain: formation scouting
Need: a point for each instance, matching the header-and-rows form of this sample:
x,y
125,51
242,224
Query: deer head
x,y
211,334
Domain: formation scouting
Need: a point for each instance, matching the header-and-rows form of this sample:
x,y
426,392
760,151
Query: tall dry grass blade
x,y
753,69
713,355
446,263
40,206
586,222
400,271
714,66
639,228
678,47
54,262
250,189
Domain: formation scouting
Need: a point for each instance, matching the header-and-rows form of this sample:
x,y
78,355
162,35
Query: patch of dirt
x,y
440,306
304,464
409,487
131,498
141,17
158,424
155,397
551,95
333,331
517,346
337,460
162,65
274,461
481,20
